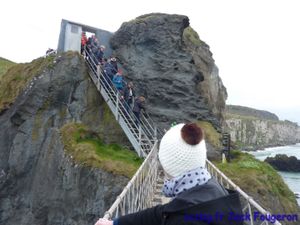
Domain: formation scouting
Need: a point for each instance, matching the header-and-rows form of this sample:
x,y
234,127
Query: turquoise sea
x,y
291,179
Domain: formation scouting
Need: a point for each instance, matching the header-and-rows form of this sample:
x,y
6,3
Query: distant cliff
x,y
250,112
251,129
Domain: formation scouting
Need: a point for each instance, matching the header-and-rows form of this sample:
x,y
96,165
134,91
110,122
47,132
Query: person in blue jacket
x,y
118,80
196,197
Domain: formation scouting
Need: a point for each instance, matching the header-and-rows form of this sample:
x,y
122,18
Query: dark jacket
x,y
200,205
126,95
138,106
99,55
109,70
115,64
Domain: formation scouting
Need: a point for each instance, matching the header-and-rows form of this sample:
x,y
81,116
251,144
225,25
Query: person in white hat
x,y
197,198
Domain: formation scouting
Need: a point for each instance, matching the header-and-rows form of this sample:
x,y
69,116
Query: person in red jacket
x,y
83,41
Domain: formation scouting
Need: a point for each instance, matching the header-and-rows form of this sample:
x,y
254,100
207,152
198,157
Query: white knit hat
x,y
182,148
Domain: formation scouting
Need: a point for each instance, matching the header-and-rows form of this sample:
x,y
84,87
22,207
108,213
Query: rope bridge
x,y
143,190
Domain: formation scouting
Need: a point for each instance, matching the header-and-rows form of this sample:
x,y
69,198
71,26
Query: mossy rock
x,y
87,148
211,134
17,77
190,35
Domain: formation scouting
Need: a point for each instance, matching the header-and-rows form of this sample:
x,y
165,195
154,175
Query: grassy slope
x,y
259,180
16,78
5,65
87,148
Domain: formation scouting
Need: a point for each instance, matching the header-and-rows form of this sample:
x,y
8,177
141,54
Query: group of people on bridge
x,y
90,46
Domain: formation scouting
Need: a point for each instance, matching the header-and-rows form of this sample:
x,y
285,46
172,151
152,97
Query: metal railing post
x,y
98,70
140,138
155,133
99,76
117,107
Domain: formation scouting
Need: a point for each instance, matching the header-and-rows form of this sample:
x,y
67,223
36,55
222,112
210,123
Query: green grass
x,y
87,148
259,179
211,135
16,78
5,65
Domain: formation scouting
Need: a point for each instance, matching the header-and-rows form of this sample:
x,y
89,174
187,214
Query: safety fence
x,y
140,190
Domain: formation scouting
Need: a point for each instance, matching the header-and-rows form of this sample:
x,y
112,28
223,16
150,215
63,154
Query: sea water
x,y
291,179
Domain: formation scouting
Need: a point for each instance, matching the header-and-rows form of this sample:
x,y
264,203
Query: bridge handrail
x,y
123,201
226,182
140,189
123,204
158,133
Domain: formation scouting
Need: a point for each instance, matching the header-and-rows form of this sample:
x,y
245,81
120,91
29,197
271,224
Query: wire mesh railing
x,y
140,190
249,205
148,122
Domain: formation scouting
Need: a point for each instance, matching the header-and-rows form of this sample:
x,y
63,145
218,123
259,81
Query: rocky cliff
x,y
172,67
39,182
283,162
251,129
54,123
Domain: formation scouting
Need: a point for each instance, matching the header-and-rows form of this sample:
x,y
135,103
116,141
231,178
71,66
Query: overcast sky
x,y
255,43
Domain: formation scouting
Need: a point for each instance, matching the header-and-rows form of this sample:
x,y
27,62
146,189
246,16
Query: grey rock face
x,y
39,184
283,162
164,69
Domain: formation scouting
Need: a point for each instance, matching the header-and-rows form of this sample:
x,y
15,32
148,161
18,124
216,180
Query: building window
x,y
74,29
